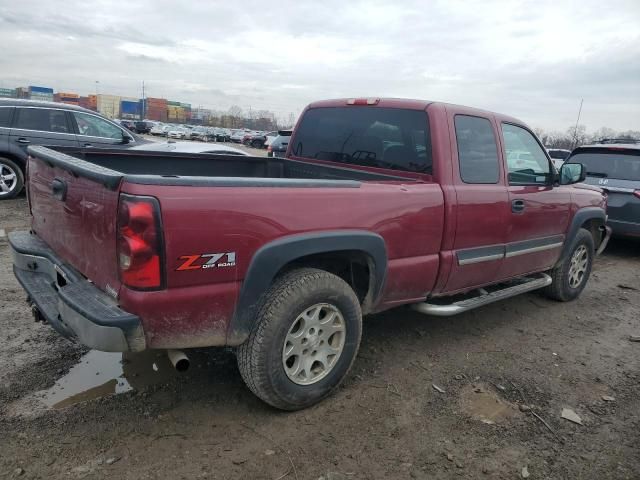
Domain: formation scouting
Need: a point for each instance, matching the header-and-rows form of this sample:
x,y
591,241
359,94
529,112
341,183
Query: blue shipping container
x,y
40,89
129,107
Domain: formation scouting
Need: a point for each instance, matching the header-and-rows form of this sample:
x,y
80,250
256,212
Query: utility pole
x,y
143,111
97,82
575,130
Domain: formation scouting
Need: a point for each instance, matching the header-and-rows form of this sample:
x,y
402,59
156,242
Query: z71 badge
x,y
207,260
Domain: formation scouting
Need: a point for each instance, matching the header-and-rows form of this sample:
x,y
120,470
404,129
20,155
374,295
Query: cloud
x,y
531,59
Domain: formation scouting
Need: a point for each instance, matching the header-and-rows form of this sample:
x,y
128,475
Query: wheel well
x,y
17,160
353,266
596,227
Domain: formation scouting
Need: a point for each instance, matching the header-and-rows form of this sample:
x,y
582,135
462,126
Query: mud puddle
x,y
97,375
481,403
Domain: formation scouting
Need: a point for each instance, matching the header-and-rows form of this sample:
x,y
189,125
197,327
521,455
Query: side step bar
x,y
528,284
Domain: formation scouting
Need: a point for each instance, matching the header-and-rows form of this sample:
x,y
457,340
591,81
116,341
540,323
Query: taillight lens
x,y
269,148
140,243
637,193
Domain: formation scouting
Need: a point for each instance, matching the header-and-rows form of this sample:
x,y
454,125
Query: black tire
x,y
16,184
561,288
257,144
260,358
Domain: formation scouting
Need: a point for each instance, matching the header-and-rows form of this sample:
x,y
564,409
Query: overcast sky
x,y
533,60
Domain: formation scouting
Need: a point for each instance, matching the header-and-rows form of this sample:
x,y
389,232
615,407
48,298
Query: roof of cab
x,y
413,104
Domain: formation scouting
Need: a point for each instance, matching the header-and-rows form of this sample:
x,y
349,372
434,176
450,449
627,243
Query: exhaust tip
x,y
179,360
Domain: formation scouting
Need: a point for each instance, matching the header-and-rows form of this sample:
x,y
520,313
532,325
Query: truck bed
x,y
171,168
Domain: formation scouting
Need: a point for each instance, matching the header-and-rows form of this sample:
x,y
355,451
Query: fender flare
x,y
583,215
273,256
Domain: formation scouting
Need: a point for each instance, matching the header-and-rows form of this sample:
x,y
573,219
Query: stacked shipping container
x,y
108,105
40,93
156,109
130,108
7,93
70,98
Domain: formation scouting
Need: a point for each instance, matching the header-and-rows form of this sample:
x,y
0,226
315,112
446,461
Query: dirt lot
x,y
505,372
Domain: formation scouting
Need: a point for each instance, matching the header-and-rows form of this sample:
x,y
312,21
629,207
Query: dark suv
x,y
614,166
278,148
27,122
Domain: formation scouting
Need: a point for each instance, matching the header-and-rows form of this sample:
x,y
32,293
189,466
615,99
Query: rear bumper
x,y
72,305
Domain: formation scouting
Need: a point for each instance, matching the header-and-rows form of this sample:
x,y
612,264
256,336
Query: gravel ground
x,y
504,373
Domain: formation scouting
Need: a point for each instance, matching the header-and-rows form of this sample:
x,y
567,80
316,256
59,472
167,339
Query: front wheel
x,y
304,341
571,275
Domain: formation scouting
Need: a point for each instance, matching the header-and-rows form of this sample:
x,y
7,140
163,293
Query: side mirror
x,y
125,138
571,173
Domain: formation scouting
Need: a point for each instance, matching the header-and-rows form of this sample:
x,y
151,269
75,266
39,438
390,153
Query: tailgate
x,y
74,206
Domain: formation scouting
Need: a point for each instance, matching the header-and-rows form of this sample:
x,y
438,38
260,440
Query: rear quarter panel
x,y
198,304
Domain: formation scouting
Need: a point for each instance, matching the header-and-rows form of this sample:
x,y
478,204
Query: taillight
x,y
637,193
140,243
269,148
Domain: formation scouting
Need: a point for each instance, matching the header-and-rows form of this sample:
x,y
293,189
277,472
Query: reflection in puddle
x,y
100,374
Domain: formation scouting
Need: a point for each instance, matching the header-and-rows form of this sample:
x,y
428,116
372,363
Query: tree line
x,y
574,137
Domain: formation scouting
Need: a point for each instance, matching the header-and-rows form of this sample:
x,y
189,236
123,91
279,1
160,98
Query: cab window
x,y
526,161
477,151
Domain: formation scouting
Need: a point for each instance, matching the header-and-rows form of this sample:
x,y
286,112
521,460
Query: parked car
x,y
558,156
158,130
254,139
29,122
614,166
278,147
179,133
190,147
237,136
281,257
128,124
143,127
270,137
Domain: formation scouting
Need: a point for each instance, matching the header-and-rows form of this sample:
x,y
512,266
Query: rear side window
x,y
477,150
621,165
5,117
41,119
371,136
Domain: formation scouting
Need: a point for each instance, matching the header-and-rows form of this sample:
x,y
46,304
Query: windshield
x,y
607,164
372,136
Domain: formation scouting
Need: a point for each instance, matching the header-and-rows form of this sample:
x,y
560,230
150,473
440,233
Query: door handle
x,y
87,145
517,206
23,140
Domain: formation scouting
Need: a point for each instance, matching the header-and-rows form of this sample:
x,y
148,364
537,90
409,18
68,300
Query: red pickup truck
x,y
378,203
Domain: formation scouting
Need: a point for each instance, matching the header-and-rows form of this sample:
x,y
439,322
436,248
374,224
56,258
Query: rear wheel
x,y
304,341
571,275
11,179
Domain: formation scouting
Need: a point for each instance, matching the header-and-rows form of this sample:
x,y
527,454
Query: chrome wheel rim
x,y
8,179
313,344
578,267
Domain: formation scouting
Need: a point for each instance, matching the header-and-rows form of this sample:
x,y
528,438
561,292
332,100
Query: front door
x,y
538,210
40,126
94,131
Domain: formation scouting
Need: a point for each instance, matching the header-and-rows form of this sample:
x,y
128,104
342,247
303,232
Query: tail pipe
x,y
179,360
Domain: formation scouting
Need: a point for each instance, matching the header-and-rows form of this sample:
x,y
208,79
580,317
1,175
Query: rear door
x,y
617,171
481,202
538,211
94,131
40,126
